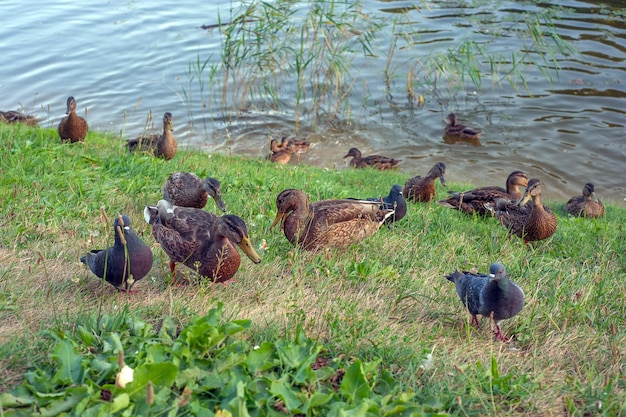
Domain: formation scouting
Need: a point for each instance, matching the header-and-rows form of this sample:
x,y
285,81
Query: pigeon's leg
x,y
475,320
499,335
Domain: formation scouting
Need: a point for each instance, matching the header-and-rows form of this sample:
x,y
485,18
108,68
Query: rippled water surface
x,y
122,60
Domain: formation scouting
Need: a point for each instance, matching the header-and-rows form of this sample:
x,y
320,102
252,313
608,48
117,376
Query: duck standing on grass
x,y
202,241
423,189
587,204
479,199
379,162
492,295
113,265
161,145
185,189
72,128
327,223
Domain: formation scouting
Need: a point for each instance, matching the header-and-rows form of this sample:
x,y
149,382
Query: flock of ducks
x,y
207,244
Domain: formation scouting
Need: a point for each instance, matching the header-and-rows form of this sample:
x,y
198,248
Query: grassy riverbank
x,y
383,299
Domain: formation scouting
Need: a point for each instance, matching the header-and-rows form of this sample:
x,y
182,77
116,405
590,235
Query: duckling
x,y
531,223
377,161
185,189
479,199
162,145
72,127
295,146
280,154
423,189
460,131
587,204
327,223
200,240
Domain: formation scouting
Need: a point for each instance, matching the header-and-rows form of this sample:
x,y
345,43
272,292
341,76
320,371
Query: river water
x,y
125,59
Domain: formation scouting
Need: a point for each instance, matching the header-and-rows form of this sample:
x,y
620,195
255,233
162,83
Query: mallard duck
x,y
72,127
295,146
280,154
423,189
586,205
531,223
326,223
460,131
394,201
377,161
162,145
489,294
200,240
13,116
185,189
112,263
477,200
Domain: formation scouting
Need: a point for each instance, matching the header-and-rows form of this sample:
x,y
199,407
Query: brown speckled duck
x,y
185,189
295,146
327,223
423,189
279,154
587,204
477,200
376,161
13,116
530,222
456,130
200,240
72,128
162,145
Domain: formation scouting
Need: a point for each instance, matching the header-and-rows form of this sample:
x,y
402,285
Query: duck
x,y
493,294
279,154
295,146
161,145
587,204
202,241
394,201
478,199
12,116
455,130
531,222
113,265
326,223
379,162
423,189
72,128
186,189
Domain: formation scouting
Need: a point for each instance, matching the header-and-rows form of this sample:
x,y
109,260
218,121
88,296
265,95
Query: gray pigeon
x,y
139,260
489,294
394,201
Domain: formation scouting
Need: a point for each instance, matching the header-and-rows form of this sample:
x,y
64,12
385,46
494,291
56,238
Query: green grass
x,y
383,300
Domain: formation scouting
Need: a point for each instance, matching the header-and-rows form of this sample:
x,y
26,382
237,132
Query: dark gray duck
x,y
139,260
489,294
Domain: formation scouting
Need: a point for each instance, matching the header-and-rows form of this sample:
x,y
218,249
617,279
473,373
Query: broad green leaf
x,y
69,363
285,392
262,358
161,374
67,403
354,386
120,402
19,397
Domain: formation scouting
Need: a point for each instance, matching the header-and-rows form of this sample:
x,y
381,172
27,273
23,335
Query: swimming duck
x,y
295,146
377,161
489,294
185,189
162,145
72,127
453,129
13,116
531,223
200,240
423,189
327,223
585,205
477,200
139,260
394,201
280,154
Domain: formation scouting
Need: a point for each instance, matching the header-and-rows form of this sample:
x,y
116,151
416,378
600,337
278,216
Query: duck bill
x,y
220,202
524,200
247,248
279,218
594,197
443,181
